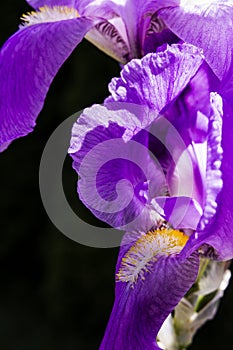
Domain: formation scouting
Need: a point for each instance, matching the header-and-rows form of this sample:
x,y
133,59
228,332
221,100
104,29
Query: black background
x,y
55,293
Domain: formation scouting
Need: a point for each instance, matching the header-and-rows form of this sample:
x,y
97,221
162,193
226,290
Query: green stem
x,y
203,265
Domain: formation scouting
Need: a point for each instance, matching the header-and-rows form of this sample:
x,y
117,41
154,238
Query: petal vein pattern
x,y
199,23
42,49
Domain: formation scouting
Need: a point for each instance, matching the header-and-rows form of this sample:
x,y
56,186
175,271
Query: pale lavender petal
x,y
131,117
158,78
200,23
29,60
177,155
140,309
180,212
215,225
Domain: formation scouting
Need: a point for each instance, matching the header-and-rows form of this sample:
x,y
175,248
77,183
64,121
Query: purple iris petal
x,y
111,156
136,119
100,124
196,105
199,23
136,18
153,271
122,7
29,60
215,227
180,212
221,224
107,36
155,40
157,79
40,3
192,110
180,158
140,308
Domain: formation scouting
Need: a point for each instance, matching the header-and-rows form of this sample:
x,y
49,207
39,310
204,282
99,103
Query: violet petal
x,y
180,212
29,60
140,309
199,23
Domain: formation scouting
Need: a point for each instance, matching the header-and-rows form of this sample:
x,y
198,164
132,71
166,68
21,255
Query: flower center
x,y
49,14
147,250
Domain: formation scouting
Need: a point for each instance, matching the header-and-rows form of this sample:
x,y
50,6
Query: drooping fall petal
x,y
29,60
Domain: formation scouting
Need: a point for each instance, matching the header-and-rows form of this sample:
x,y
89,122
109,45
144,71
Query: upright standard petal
x,y
142,7
214,228
150,281
207,25
158,78
218,232
29,60
136,16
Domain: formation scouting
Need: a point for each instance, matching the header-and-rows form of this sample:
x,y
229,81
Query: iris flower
x,y
124,29
143,169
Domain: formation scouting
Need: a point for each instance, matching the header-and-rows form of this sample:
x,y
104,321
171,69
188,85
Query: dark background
x,y
55,293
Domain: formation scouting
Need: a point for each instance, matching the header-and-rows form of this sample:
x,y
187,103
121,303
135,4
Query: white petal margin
x,y
214,181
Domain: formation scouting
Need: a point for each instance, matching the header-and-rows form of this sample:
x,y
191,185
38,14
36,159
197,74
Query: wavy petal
x,y
39,50
218,228
125,122
140,308
111,156
158,78
199,23
131,117
215,225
